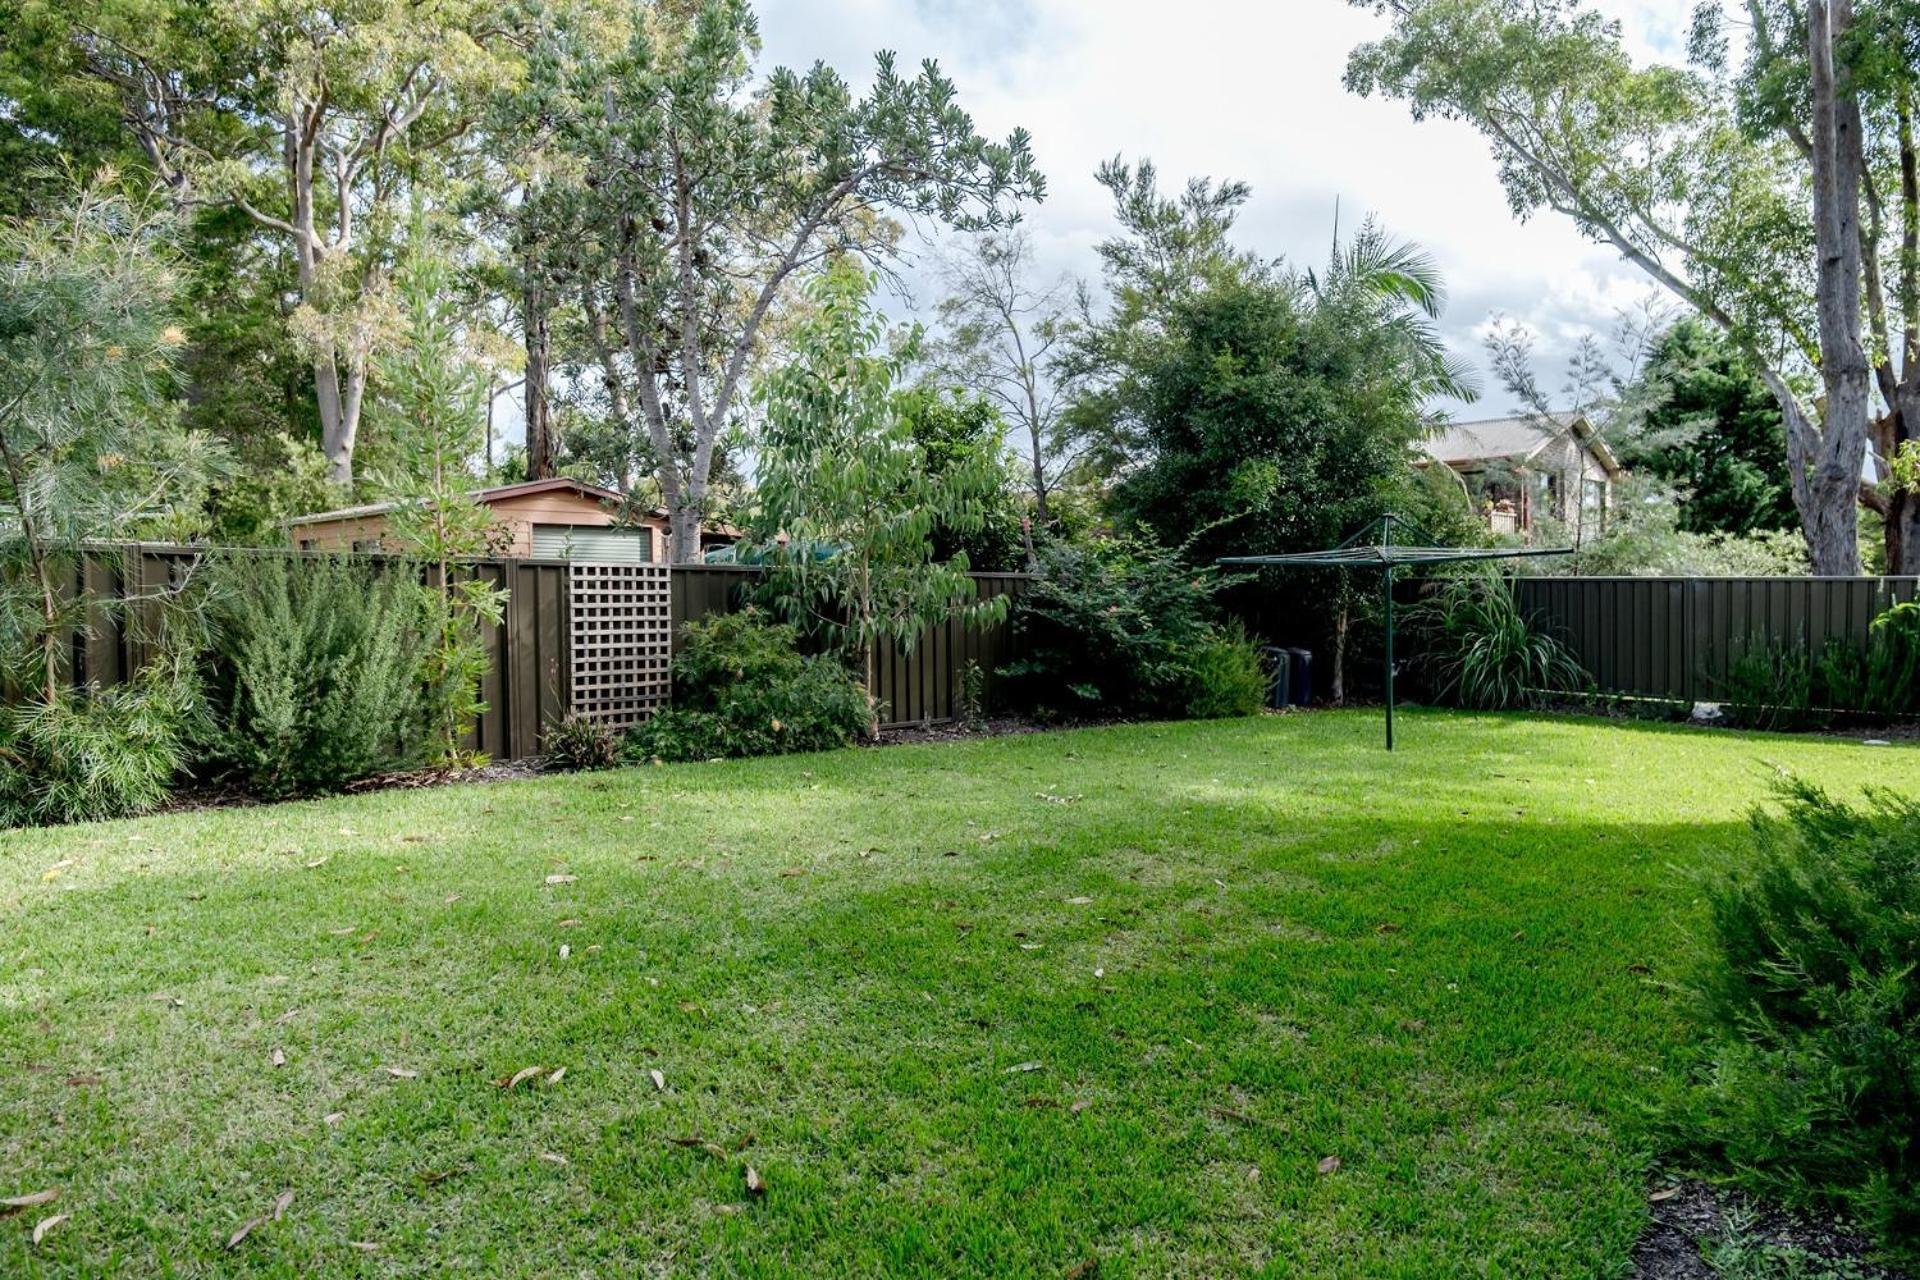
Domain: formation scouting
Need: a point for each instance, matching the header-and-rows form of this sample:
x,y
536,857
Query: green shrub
x,y
1770,686
322,671
1807,1082
97,754
579,743
1882,679
1110,628
1226,676
741,687
1482,651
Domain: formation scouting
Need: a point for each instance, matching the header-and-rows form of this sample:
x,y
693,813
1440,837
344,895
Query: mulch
x,y
1693,1214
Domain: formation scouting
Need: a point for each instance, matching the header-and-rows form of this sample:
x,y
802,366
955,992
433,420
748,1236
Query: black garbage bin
x,y
1280,669
1300,676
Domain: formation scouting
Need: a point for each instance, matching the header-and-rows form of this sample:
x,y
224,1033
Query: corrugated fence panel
x,y
528,664
1675,638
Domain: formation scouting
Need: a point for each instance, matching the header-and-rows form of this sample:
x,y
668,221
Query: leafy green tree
x,y
1167,249
956,432
318,122
1712,430
713,189
87,343
845,483
1700,176
430,394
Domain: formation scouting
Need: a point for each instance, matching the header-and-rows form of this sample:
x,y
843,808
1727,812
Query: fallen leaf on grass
x,y
756,1185
559,1074
565,951
333,1117
82,1080
1085,1269
1078,902
1021,1067
279,1058
161,997
1079,1105
566,924
790,872
553,1157
246,1229
45,1225
402,1073
560,879
32,1200
659,1081
1331,1164
434,1177
449,900
317,862
281,1203
518,1078
364,1246
1664,1193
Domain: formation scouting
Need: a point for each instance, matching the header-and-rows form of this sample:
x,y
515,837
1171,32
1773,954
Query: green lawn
x,y
997,1008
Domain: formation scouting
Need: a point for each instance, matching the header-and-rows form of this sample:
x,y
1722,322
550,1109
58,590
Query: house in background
x,y
558,519
1519,471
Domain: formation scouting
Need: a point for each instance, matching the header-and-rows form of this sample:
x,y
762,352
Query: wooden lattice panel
x,y
622,622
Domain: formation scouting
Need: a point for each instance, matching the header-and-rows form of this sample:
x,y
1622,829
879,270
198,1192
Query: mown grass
x,y
1224,953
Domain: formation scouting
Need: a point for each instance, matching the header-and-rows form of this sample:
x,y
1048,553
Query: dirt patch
x,y
993,727
233,796
1700,1232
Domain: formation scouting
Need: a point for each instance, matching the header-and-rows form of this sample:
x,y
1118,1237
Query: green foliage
x,y
1226,676
1807,1080
86,352
1770,686
1110,628
431,407
958,434
1712,432
855,494
1483,651
324,671
741,687
1255,411
1782,685
1645,536
580,743
98,754
1884,678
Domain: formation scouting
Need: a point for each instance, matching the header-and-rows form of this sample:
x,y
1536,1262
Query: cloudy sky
x,y
1247,89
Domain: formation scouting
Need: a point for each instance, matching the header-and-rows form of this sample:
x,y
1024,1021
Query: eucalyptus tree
x,y
1003,335
710,190
319,122
1742,194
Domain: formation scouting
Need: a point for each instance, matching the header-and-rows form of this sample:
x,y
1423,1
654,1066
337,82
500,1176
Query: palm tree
x,y
1399,284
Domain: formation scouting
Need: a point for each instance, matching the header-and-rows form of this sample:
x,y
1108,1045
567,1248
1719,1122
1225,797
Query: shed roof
x,y
1517,438
486,497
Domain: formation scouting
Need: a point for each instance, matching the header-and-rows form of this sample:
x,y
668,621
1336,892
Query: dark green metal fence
x,y
1674,638
528,659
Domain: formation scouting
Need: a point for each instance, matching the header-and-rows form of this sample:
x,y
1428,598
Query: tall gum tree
x,y
709,191
321,122
1761,199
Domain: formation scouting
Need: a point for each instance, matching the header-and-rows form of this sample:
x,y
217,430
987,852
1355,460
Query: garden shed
x,y
558,519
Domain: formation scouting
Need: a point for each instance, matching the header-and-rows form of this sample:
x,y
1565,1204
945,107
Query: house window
x,y
1593,505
